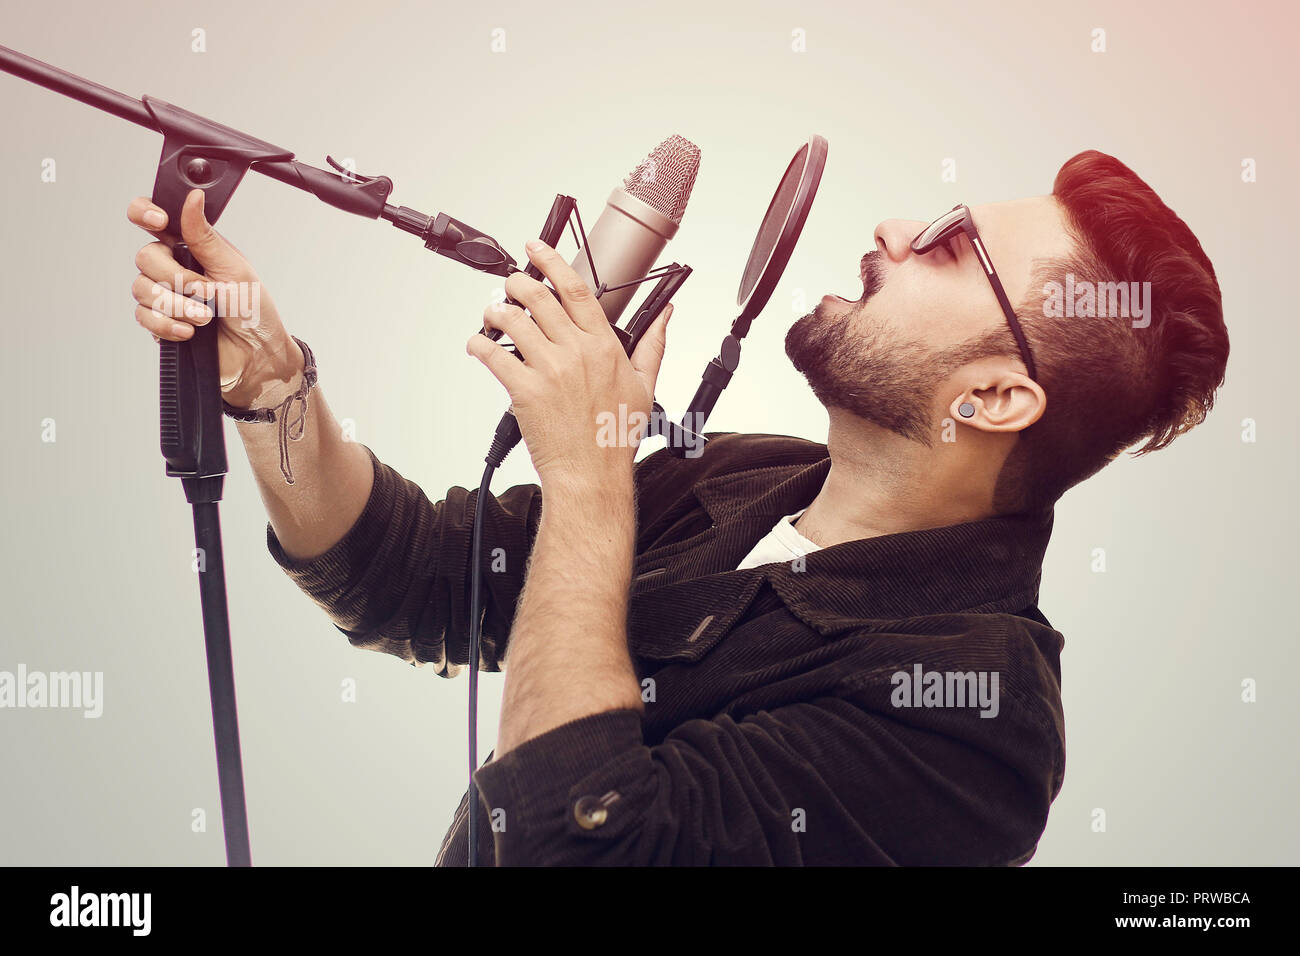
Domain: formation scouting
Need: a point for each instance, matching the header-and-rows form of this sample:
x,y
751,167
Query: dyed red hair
x,y
1109,385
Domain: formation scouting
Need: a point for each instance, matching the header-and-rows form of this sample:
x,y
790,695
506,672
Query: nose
x,y
894,237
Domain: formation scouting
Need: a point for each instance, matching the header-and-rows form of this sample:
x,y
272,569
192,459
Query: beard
x,y
874,377
875,374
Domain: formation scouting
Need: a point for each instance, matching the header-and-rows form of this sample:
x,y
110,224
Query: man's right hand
x,y
254,350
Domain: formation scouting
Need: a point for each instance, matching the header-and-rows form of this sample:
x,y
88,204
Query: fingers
x,y
160,297
218,257
648,355
157,262
507,369
546,309
523,331
163,326
144,213
579,301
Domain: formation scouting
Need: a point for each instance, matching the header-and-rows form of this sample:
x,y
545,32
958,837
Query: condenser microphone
x,y
623,244
638,220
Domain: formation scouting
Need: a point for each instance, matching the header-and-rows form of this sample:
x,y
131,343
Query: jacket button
x,y
591,812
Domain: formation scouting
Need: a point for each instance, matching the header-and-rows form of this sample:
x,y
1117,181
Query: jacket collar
x,y
990,565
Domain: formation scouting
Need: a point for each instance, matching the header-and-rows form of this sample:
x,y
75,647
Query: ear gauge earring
x,y
966,410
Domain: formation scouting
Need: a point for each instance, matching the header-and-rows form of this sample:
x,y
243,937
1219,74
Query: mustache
x,y
872,272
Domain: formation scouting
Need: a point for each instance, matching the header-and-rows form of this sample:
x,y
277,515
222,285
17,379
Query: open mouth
x,y
867,275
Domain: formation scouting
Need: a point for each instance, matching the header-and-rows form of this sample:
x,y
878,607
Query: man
x,y
777,652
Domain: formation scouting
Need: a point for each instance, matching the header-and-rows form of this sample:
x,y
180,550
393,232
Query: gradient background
x,y
94,565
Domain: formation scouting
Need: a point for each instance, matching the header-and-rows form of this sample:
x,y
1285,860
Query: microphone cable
x,y
506,437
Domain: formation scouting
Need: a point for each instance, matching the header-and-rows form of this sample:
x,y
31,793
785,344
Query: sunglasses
x,y
943,230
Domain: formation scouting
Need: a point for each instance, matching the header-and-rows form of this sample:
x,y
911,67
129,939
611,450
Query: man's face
x,y
886,355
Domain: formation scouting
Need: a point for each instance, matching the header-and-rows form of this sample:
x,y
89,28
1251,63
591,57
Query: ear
x,y
1007,401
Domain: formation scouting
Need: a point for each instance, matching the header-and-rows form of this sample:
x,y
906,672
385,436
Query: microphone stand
x,y
199,153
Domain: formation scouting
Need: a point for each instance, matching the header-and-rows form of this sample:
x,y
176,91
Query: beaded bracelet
x,y
280,412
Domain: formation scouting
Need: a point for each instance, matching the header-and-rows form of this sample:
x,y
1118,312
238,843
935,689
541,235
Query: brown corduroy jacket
x,y
892,700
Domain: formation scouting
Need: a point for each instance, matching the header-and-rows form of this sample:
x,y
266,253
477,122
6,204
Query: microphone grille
x,y
665,178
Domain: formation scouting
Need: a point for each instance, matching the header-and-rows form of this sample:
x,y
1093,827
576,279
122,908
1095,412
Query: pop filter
x,y
780,229
777,235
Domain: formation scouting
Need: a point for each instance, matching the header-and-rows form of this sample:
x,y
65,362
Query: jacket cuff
x,y
561,796
326,572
